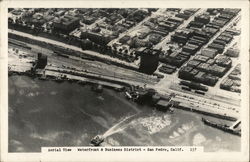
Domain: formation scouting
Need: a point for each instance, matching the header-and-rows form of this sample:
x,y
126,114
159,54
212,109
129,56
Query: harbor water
x,y
47,113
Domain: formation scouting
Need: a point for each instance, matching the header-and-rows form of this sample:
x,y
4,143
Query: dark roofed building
x,y
41,61
66,24
163,105
149,60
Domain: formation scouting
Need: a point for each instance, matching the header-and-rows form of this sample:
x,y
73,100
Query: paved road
x,y
183,25
61,44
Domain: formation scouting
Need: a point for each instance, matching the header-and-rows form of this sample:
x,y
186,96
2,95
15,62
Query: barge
x,y
222,127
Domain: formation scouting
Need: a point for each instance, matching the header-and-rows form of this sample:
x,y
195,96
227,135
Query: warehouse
x,y
220,42
226,84
230,11
184,32
233,31
213,26
187,54
196,42
203,67
166,69
184,55
193,63
201,58
205,19
200,77
210,80
224,61
210,30
217,70
224,38
190,48
209,52
211,61
196,24
232,52
184,72
201,34
169,27
200,38
179,38
182,15
218,47
163,105
66,24
176,19
177,61
226,16
193,73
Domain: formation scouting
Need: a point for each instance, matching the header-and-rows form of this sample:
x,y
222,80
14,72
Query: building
x,y
217,70
202,18
190,48
210,80
218,47
149,60
41,61
163,105
66,24
226,84
96,37
201,58
232,52
209,52
223,61
203,67
193,63
185,72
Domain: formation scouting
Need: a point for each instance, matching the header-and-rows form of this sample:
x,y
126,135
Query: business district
x,y
167,58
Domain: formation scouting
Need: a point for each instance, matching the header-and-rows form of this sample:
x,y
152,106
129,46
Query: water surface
x,y
47,113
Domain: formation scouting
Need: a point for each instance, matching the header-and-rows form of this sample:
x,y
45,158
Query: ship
x,y
222,127
97,140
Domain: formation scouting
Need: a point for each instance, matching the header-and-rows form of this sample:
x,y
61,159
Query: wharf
x,y
207,110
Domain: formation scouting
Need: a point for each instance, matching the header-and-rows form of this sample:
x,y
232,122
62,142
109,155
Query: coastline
x,y
84,81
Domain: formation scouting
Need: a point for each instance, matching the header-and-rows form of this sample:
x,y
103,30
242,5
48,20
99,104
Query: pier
x,y
235,124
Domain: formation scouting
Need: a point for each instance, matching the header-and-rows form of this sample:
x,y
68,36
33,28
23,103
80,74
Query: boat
x,y
42,78
97,88
97,140
59,79
127,94
222,127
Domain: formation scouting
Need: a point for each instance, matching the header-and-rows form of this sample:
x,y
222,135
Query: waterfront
x,y
46,113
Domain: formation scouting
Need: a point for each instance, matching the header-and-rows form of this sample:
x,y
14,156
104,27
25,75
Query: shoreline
x,y
85,81
117,88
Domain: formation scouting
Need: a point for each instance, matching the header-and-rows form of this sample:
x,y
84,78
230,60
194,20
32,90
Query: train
x,y
194,85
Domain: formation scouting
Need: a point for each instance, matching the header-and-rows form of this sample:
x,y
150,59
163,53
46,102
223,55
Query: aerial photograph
x,y
107,77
